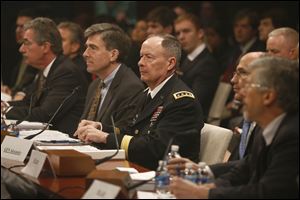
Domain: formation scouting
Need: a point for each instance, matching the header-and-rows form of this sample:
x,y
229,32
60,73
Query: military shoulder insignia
x,y
182,94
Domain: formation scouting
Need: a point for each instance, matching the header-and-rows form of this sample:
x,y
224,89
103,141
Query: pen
x,y
59,141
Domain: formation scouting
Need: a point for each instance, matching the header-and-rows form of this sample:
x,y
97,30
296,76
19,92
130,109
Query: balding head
x,y
282,42
242,72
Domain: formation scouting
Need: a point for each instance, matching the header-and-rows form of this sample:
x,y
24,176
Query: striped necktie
x,y
96,102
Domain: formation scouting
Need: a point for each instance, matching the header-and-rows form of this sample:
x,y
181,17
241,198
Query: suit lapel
x,y
56,63
111,92
187,65
157,101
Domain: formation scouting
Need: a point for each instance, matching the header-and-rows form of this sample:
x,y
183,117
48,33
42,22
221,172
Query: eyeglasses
x,y
241,74
256,85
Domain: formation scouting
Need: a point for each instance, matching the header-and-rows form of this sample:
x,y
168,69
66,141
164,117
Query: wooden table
x,y
71,187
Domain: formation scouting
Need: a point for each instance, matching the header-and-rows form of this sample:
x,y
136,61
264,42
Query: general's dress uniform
x,y
173,110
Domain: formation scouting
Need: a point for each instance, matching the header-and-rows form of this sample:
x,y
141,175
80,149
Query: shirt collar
x,y
47,69
158,88
196,52
271,129
246,47
108,80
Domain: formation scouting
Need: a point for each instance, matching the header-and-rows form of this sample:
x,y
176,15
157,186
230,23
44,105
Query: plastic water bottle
x,y
189,173
162,180
203,174
174,152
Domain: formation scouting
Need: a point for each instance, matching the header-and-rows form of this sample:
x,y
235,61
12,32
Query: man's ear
x,y
46,47
172,63
269,97
114,54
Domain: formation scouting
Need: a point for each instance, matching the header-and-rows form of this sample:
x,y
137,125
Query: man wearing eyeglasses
x,y
271,98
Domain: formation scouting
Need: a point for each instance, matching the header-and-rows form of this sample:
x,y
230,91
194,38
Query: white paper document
x,y
102,190
26,125
35,164
130,170
87,149
146,195
47,135
143,176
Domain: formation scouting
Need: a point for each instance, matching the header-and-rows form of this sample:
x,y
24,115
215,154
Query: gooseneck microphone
x,y
99,161
55,113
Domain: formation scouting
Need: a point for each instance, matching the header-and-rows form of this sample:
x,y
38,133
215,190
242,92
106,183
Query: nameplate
x,y
35,164
102,190
13,148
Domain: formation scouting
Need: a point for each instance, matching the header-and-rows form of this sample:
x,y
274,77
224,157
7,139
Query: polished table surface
x,y
73,187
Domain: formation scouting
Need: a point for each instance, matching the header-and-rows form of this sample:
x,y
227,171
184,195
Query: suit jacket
x,y
26,80
173,110
270,171
235,151
63,77
202,76
122,92
222,168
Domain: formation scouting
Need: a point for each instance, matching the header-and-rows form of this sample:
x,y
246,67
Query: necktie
x,y
147,100
96,101
41,83
243,142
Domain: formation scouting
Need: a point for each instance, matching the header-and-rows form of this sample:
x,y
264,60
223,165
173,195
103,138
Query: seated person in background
x,y
200,70
115,90
57,79
72,44
272,100
283,42
166,108
22,74
270,20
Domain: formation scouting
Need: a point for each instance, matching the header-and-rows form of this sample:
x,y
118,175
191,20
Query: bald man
x,y
238,82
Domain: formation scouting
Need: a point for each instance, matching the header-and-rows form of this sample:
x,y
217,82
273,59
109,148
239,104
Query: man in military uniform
x,y
169,110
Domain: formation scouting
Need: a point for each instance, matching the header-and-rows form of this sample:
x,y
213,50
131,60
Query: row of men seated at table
x,y
172,107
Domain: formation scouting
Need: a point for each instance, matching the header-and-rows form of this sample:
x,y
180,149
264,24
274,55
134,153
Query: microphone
x,y
55,113
99,161
30,107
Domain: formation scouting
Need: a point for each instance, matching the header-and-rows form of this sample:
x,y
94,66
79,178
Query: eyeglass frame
x,y
241,74
255,85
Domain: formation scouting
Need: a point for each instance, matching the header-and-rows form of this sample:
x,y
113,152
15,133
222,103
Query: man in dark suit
x,y
272,100
199,68
72,44
238,81
107,47
42,48
168,107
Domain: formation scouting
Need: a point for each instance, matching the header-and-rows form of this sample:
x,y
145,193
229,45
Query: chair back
x,y
214,143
